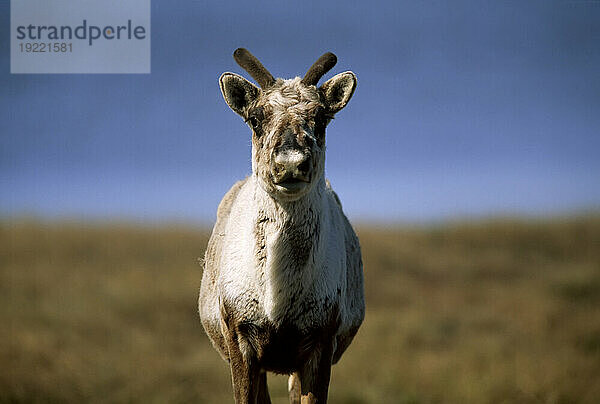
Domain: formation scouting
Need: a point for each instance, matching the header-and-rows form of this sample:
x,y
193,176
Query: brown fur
x,y
288,119
212,258
319,68
251,64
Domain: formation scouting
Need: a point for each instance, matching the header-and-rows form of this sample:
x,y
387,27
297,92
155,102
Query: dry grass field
x,y
501,311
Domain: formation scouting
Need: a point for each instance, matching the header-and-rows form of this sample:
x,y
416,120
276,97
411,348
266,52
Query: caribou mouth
x,y
291,184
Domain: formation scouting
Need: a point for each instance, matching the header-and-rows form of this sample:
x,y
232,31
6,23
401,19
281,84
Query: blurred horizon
x,y
484,312
462,110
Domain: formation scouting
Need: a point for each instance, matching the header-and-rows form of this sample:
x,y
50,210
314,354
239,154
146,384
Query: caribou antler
x,y
251,64
319,68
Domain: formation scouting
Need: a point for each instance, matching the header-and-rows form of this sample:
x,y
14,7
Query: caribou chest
x,y
290,259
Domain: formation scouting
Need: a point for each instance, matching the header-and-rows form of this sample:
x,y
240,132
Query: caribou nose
x,y
292,162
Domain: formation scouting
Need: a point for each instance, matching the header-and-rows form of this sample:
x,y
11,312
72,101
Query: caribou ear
x,y
238,92
338,90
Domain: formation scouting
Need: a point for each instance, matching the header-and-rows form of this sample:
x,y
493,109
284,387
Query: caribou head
x,y
288,120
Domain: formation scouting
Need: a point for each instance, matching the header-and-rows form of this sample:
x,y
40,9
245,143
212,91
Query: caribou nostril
x,y
279,169
304,166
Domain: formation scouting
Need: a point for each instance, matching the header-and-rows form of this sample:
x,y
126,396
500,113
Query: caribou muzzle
x,y
291,169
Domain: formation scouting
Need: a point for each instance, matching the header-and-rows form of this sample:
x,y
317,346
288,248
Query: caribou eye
x,y
253,121
321,120
322,115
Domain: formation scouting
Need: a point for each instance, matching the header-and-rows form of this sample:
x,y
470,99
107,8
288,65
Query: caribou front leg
x,y
294,388
245,371
245,374
314,377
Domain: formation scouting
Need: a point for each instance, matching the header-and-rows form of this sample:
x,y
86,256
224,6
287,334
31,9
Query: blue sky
x,y
462,109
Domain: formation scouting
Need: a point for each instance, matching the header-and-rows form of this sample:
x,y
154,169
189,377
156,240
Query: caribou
x,y
282,285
